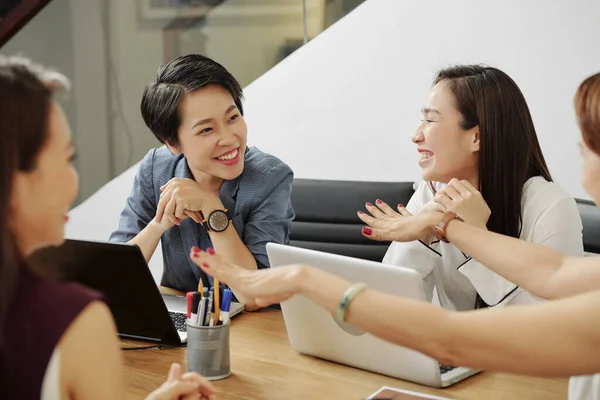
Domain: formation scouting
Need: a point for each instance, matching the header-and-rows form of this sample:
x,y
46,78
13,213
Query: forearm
x,y
488,339
229,244
147,240
529,265
414,324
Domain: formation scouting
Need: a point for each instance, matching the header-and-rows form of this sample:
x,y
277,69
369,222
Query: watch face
x,y
218,221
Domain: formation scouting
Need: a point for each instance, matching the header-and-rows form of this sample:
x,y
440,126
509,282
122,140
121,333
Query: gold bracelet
x,y
349,295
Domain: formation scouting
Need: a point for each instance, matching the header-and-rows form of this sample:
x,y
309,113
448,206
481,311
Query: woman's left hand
x,y
387,224
262,287
465,201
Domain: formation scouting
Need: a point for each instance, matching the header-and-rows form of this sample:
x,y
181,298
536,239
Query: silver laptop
x,y
314,331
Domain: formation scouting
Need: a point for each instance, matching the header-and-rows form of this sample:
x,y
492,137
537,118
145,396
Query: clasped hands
x,y
180,386
183,198
459,196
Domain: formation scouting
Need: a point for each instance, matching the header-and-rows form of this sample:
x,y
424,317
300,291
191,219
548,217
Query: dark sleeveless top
x,y
40,313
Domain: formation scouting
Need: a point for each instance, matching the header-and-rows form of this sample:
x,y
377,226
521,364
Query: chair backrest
x,y
326,217
590,218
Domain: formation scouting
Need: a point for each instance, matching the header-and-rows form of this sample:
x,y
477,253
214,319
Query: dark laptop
x,y
121,273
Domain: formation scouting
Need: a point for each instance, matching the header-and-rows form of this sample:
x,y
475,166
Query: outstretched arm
x,y
556,338
540,270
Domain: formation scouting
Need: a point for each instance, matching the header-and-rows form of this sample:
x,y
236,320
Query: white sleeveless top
x,y
51,383
584,387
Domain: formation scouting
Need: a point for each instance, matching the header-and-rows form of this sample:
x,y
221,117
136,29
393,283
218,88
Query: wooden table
x,y
265,367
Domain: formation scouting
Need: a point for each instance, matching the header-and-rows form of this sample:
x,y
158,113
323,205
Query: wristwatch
x,y
217,221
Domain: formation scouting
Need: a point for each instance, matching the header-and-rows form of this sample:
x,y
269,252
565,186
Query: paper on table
x,y
389,393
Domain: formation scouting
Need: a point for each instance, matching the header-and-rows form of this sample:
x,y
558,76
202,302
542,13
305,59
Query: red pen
x,y
189,298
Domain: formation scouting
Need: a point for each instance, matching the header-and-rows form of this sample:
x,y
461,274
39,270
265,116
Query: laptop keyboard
x,y
179,320
446,368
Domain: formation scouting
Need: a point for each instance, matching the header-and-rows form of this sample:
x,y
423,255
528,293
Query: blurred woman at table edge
x,y
57,340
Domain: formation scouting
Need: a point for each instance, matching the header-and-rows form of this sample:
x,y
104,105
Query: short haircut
x,y
185,74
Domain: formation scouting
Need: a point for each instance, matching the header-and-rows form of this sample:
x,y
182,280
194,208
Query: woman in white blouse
x,y
477,129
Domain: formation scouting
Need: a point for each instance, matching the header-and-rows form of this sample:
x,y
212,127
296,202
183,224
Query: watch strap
x,y
439,230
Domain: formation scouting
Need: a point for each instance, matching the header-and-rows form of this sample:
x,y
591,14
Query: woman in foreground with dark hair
x,y
57,340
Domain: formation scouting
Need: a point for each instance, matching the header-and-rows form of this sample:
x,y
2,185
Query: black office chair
x,y
326,217
590,217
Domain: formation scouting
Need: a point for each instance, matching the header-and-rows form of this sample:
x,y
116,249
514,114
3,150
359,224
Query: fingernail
x,y
360,212
205,265
196,249
195,255
369,204
379,202
400,206
367,231
210,251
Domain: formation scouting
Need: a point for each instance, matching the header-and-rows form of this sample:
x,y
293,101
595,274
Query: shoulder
x,y
543,200
156,168
53,305
61,301
159,157
264,172
102,377
539,194
260,164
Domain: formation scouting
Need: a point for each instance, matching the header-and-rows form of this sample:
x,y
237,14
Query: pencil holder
x,y
208,351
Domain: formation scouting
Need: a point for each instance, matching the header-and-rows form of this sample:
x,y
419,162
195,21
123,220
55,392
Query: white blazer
x,y
549,217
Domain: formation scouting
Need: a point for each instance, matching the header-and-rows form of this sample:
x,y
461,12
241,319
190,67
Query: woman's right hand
x,y
188,386
399,226
262,287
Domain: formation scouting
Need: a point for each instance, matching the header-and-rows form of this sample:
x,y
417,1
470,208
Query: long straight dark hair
x,y
509,151
26,93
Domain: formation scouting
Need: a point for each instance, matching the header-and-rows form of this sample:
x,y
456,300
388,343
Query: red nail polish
x,y
360,212
210,251
205,265
369,204
400,206
379,201
196,249
195,255
367,231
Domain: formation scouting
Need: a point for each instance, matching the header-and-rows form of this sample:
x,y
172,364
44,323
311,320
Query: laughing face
x,y
212,135
446,149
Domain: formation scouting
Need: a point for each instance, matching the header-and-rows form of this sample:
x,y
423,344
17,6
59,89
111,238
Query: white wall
x,y
67,35
345,106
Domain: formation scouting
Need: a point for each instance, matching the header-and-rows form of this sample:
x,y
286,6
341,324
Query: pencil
x,y
217,300
201,287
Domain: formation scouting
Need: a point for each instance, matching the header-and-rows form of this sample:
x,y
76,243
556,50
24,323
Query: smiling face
x,y
212,135
446,149
41,197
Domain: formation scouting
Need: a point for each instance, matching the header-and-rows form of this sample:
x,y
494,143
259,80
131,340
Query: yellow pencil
x,y
201,288
217,300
